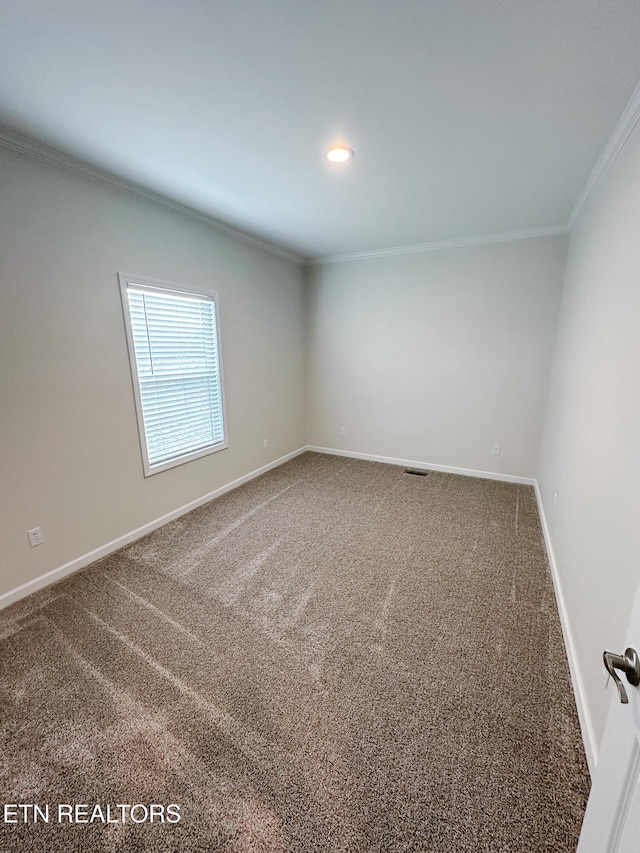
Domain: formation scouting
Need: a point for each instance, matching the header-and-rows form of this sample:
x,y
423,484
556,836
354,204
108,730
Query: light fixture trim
x,y
339,154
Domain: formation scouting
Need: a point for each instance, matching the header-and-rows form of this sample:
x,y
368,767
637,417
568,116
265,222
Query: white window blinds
x,y
178,377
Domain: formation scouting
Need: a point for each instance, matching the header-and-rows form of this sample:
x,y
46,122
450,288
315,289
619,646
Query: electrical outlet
x,y
35,537
495,450
342,431
265,443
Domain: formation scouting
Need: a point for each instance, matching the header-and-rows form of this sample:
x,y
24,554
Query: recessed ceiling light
x,y
339,154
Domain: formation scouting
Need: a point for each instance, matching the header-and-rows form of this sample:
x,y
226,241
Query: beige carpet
x,y
337,656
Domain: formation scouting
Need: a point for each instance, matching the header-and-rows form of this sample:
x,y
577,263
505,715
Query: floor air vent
x,y
416,472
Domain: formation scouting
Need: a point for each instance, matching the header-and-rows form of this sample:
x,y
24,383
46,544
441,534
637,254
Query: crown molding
x,y
621,133
45,154
417,248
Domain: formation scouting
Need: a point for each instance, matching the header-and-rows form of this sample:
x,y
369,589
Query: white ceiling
x,y
467,117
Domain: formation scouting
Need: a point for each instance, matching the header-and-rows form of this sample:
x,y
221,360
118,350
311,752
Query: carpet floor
x,y
337,656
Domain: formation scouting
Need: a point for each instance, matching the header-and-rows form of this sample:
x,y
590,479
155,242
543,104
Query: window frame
x,y
152,284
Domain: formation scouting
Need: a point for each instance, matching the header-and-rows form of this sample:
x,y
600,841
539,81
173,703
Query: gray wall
x,y
69,457
435,357
591,442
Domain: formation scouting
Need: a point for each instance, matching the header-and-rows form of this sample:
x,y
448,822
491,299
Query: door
x,y
612,819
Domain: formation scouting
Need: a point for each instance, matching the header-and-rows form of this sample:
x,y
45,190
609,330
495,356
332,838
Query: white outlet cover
x,y
35,536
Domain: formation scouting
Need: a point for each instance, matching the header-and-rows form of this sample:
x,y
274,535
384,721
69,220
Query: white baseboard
x,y
586,725
427,466
54,575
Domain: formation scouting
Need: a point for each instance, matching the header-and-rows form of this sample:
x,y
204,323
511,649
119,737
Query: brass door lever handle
x,y
629,663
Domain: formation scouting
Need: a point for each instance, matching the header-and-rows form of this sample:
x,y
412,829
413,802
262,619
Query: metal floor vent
x,y
416,472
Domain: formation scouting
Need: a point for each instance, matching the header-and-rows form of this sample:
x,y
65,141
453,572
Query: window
x,y
172,333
